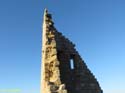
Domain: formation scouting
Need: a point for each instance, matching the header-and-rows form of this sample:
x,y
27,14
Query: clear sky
x,y
97,27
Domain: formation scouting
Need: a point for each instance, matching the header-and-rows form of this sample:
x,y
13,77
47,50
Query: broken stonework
x,y
58,54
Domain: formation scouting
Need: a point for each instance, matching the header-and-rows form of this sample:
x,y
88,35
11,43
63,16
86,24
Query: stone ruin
x,y
62,69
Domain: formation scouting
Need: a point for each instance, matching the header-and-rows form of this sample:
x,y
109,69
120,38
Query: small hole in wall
x,y
71,64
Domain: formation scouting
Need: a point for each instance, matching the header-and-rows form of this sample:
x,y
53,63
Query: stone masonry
x,y
63,70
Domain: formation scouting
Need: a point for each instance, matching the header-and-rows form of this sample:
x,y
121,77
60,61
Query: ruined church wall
x,y
57,54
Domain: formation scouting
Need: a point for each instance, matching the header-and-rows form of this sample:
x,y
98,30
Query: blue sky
x,y
97,27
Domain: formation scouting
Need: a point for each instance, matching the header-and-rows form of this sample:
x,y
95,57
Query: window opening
x,y
71,64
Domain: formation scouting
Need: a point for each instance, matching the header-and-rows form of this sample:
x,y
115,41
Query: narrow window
x,y
71,64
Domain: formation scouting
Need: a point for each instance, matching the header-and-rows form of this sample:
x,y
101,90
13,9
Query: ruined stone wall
x,y
58,57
